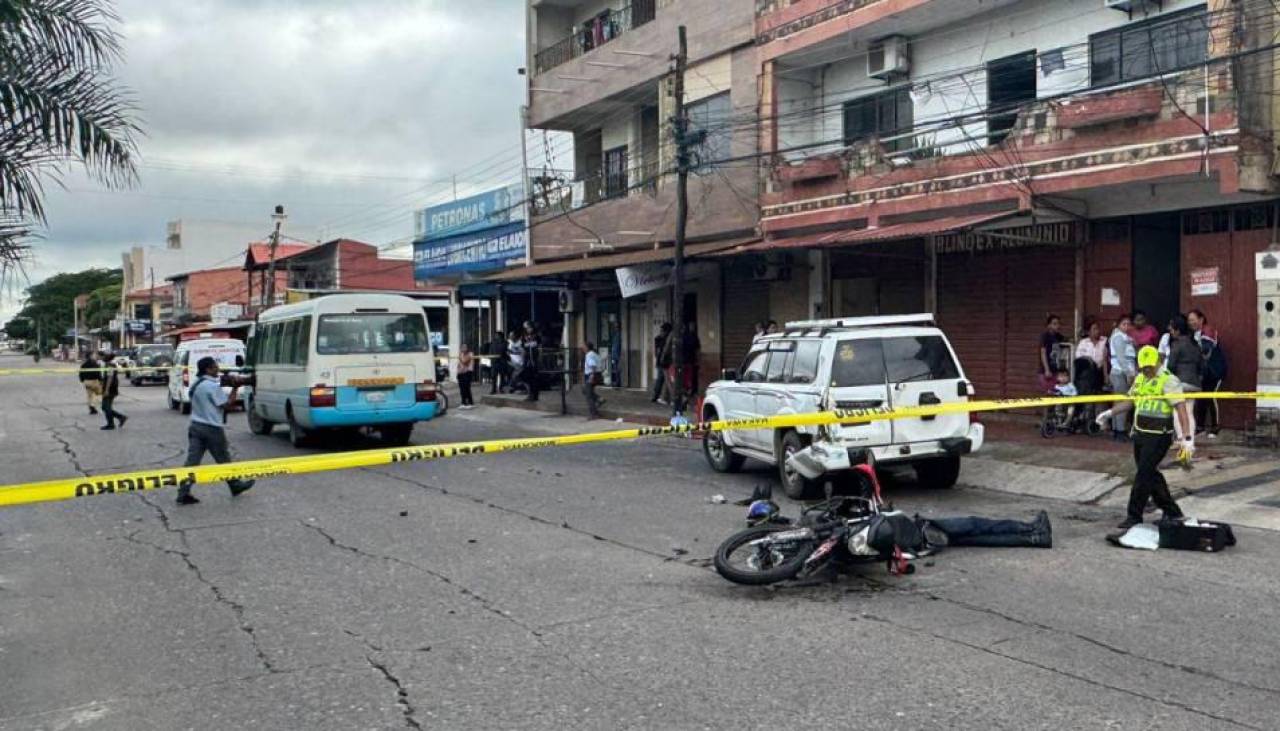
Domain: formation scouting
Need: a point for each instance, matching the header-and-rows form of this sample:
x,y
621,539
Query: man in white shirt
x,y
592,376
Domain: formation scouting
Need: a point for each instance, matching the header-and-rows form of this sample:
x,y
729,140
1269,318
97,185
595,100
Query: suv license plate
x,y
376,397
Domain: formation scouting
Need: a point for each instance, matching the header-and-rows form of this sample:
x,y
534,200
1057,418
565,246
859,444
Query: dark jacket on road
x,y
111,382
91,370
1185,362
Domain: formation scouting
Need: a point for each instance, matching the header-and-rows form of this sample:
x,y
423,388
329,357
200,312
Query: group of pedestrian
x,y
664,355
1189,350
100,379
1153,369
514,361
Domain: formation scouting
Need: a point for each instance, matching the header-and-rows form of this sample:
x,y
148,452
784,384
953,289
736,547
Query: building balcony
x,y
1103,150
575,69
610,214
606,26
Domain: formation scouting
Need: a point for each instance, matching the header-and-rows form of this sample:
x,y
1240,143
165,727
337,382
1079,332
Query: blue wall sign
x,y
486,210
490,249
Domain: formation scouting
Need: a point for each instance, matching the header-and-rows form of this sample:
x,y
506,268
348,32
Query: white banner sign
x,y
638,280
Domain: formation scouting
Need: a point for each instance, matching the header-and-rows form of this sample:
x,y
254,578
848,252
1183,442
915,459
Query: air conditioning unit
x,y
1129,6
772,269
570,301
889,58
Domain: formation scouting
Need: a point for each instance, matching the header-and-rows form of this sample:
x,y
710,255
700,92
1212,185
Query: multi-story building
x,y
1004,160
191,245
195,294
602,73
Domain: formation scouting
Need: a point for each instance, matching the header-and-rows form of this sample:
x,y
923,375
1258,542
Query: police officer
x,y
206,432
1153,435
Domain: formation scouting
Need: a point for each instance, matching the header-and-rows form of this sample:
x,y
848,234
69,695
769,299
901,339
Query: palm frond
x,y
79,31
16,237
58,100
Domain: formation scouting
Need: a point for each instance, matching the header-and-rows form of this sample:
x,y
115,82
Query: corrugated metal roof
x,y
892,232
612,261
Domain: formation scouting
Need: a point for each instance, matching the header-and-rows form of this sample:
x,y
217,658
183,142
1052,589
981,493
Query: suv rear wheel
x,y
794,484
940,473
718,454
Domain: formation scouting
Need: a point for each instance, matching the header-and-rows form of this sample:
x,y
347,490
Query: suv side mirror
x,y
728,374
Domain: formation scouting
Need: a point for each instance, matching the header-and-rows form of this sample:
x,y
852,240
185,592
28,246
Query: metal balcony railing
x,y
560,191
593,33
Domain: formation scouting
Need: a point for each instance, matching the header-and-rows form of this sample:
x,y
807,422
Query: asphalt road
x,y
570,588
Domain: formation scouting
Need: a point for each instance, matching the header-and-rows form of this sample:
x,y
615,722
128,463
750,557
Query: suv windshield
x,y
159,355
876,361
371,333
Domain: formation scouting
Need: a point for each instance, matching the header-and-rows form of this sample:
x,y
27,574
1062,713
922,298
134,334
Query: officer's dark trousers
x,y
203,438
1148,451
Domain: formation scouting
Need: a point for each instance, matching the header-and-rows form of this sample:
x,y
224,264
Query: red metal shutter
x,y
971,312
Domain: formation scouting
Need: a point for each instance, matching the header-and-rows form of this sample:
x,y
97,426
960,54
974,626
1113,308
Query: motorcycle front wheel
x,y
743,563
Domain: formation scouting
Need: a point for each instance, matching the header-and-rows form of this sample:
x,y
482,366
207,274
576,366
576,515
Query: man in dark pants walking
x,y
1153,435
110,391
206,432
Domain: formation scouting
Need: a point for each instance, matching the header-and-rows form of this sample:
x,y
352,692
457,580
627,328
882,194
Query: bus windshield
x,y
371,333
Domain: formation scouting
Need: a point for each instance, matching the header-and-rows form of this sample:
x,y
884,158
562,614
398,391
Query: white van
x,y
342,361
845,363
229,352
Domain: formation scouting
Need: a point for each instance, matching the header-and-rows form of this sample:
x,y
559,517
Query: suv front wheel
x,y
718,454
940,473
794,484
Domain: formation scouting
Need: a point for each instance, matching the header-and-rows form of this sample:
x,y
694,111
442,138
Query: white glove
x,y
1103,418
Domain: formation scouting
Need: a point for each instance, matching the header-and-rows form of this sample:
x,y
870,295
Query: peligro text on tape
x,y
153,479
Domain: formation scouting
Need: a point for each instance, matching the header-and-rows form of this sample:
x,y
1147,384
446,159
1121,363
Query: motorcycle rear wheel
x,y
783,563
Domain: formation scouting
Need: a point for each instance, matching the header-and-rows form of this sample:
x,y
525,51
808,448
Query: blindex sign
x,y
468,215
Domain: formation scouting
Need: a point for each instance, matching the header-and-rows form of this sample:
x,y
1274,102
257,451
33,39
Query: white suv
x,y
845,363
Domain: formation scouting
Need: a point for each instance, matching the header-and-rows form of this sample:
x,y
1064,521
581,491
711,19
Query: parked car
x,y
229,352
845,363
153,363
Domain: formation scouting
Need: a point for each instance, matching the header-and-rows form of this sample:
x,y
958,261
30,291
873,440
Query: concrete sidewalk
x,y
1227,481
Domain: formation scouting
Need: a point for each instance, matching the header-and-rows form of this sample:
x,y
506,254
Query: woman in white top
x,y
1093,346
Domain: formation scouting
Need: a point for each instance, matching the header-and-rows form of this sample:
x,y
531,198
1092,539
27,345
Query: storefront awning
x,y
892,232
613,261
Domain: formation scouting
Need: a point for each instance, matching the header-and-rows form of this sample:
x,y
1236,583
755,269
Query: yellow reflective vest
x,y
1152,415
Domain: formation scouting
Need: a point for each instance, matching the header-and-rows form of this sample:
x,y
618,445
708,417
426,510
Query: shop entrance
x,y
608,338
1157,267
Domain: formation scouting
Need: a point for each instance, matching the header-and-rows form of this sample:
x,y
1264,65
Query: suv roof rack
x,y
850,323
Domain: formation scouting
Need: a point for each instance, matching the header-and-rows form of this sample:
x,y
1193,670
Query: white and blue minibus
x,y
342,361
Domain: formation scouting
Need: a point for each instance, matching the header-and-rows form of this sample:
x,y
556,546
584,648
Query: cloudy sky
x,y
349,113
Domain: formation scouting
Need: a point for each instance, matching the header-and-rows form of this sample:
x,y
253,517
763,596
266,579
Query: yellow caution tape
x,y
154,479
122,369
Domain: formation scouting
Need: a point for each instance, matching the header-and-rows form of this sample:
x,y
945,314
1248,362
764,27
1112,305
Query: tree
x,y
50,301
59,104
103,305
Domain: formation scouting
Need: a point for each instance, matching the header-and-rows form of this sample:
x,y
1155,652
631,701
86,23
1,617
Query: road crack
x,y
402,695
1030,624
487,604
1057,671
68,449
219,595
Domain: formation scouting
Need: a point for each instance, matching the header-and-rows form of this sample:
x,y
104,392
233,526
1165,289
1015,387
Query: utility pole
x,y
680,130
269,292
153,304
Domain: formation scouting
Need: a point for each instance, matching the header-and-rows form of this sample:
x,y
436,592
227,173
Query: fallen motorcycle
x,y
856,529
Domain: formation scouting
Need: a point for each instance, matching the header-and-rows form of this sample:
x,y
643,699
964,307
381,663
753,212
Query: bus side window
x,y
304,342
